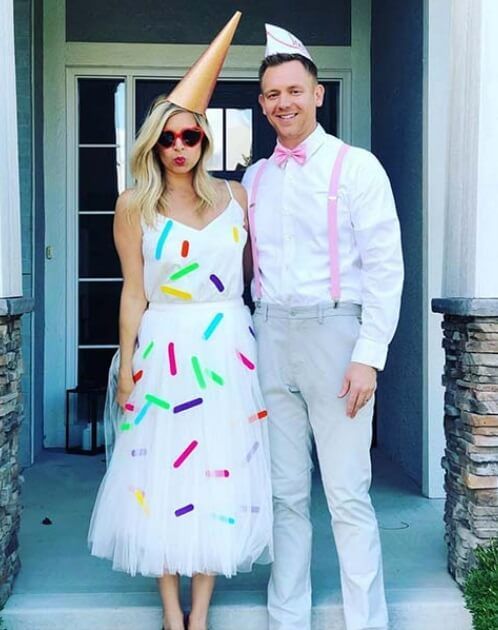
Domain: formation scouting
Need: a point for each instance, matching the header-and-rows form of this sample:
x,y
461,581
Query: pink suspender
x,y
252,226
335,289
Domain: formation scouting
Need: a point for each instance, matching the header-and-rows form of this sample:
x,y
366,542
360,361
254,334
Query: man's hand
x,y
360,382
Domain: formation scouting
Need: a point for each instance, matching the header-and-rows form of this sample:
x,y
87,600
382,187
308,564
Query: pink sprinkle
x,y
172,359
217,473
183,456
129,407
249,364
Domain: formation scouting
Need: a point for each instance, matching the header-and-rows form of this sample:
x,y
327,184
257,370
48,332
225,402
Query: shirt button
x,y
292,313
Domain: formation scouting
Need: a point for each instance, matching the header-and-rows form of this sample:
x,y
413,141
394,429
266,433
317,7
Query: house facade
x,y
80,76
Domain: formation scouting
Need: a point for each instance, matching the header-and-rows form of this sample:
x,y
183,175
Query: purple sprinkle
x,y
184,510
252,332
254,509
188,405
217,282
254,448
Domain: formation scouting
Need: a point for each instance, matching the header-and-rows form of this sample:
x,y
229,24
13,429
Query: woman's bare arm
x,y
241,196
128,240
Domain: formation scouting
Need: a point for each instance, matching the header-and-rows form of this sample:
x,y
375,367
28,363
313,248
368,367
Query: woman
x,y
188,489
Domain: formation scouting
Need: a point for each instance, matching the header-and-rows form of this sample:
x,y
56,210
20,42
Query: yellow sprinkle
x,y
176,292
139,495
235,233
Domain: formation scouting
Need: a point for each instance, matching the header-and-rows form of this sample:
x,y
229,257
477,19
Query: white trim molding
x,y
10,212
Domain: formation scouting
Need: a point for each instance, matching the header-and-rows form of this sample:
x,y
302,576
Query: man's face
x,y
289,98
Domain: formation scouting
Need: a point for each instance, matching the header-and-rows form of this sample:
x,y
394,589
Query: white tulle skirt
x,y
188,486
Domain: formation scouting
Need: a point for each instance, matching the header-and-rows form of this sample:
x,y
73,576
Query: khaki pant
x,y
303,353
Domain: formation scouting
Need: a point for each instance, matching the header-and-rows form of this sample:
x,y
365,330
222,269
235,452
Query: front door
x,y
241,136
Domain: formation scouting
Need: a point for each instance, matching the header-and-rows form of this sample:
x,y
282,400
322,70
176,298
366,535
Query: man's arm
x,y
377,235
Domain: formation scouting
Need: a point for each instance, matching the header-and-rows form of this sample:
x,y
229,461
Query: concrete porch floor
x,y
60,586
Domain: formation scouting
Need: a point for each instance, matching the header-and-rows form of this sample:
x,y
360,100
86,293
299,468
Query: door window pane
x,y
215,119
101,105
93,366
99,177
99,310
97,254
238,139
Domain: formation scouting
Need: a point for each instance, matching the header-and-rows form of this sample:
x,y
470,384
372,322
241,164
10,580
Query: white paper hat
x,y
278,40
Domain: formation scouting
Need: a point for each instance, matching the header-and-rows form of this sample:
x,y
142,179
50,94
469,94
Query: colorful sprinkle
x,y
142,413
140,497
184,510
212,325
235,234
253,508
137,376
148,350
251,330
184,271
176,292
130,407
253,449
258,416
217,282
198,373
126,426
188,405
224,519
185,248
215,377
217,473
138,452
162,239
154,400
249,364
183,456
172,359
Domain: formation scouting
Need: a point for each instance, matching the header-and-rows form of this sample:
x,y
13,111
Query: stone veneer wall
x,y
11,415
470,340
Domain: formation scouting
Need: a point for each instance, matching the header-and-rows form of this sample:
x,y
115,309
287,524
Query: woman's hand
x,y
124,389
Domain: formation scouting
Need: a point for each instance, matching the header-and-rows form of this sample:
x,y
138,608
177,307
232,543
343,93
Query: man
x,y
328,274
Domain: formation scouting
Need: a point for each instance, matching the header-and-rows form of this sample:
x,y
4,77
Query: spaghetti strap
x,y
229,189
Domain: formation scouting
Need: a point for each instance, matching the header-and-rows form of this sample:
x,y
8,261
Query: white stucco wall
x,y
471,253
10,223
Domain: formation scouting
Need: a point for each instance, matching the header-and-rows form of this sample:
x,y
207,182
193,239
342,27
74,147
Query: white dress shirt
x,y
291,225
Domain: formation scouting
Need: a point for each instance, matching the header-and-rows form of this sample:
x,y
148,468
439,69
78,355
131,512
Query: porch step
x,y
410,609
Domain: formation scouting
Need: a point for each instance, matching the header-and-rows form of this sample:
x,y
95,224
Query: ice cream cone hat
x,y
194,91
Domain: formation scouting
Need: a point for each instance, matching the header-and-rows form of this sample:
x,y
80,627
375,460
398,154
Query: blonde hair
x,y
150,195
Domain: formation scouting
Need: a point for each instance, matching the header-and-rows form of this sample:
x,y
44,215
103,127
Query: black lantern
x,y
84,420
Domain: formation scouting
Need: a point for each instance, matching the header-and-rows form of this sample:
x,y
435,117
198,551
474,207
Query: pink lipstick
x,y
179,161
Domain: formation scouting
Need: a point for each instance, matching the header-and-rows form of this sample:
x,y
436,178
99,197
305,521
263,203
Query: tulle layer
x,y
188,485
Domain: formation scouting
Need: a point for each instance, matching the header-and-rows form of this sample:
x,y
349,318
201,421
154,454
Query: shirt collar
x,y
313,142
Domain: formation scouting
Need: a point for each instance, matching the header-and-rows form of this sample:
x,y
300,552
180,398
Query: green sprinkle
x,y
126,426
184,271
160,402
198,373
215,377
148,350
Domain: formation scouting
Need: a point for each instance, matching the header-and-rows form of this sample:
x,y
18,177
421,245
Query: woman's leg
x,y
169,588
202,589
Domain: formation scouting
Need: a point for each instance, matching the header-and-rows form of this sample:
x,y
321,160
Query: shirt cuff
x,y
370,353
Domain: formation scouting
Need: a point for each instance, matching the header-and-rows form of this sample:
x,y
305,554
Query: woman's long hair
x,y
150,195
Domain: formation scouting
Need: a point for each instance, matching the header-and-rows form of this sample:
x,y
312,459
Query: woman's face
x,y
180,146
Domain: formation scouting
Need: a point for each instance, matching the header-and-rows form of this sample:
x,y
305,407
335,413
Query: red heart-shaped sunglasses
x,y
190,137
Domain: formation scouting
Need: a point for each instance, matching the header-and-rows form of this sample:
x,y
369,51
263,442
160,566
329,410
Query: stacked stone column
x,y
11,413
470,341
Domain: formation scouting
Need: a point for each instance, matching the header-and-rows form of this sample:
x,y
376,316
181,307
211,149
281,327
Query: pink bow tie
x,y
282,155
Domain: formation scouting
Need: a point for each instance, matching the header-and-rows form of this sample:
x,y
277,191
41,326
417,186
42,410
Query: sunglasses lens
x,y
191,137
166,139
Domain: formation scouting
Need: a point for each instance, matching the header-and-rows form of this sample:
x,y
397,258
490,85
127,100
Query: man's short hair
x,y
280,58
